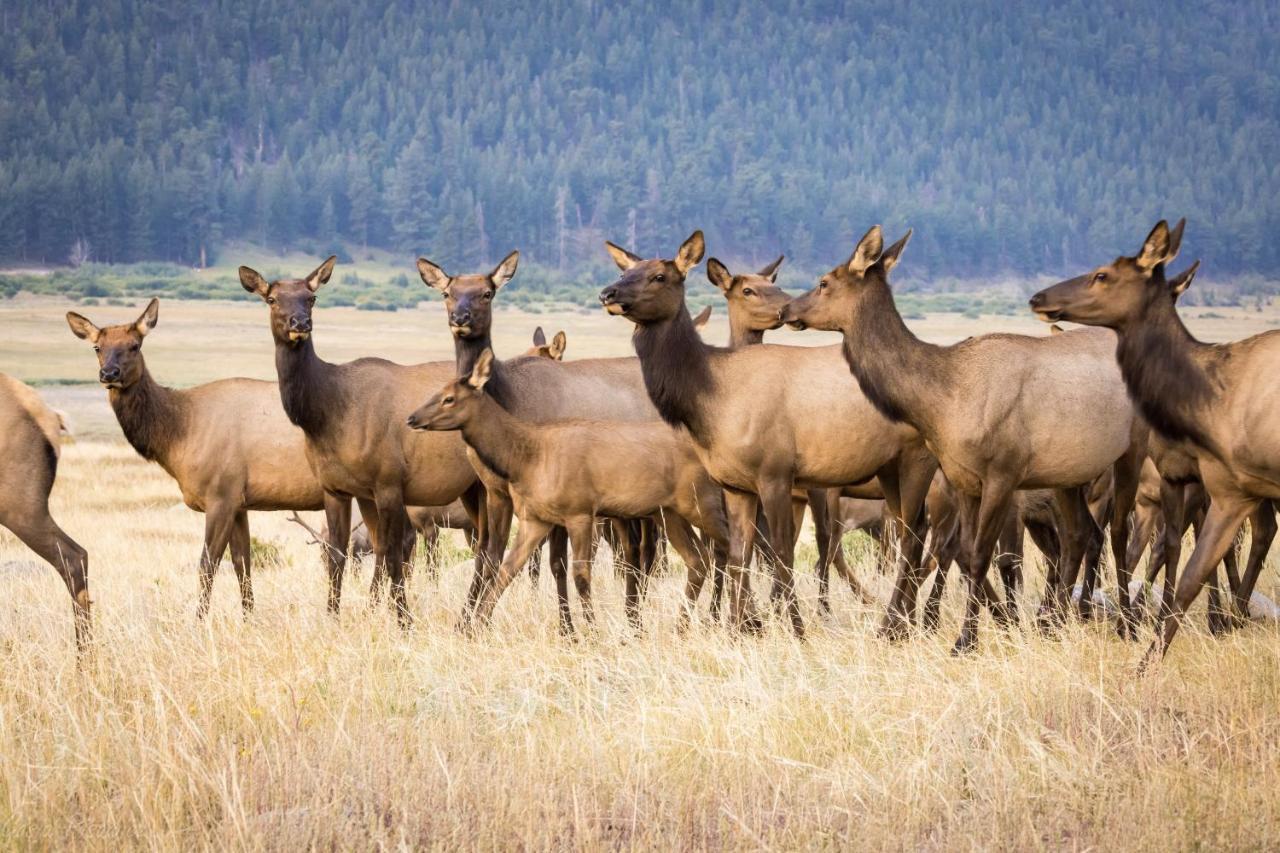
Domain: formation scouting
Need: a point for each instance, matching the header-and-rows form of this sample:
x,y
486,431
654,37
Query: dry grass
x,y
292,730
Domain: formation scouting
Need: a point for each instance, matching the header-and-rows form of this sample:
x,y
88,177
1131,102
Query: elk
x,y
227,443
1218,400
1002,412
352,418
764,419
29,447
542,349
566,473
755,301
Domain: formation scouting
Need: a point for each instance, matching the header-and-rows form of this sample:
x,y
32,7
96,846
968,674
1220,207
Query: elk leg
x,y
582,532
946,547
1077,528
777,505
1144,522
651,534
1225,516
498,515
558,558
824,526
740,508
38,531
628,534
337,515
389,550
1263,524
980,523
241,550
528,539
696,561
535,567
905,485
218,522
1092,564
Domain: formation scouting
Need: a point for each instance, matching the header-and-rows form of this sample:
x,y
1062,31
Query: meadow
x,y
290,729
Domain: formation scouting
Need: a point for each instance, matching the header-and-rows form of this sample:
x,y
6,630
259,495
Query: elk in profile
x,y
29,447
765,419
1003,412
755,301
352,417
566,473
227,443
604,390
1219,400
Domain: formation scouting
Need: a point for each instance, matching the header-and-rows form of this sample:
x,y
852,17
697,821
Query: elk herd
x,y
1124,430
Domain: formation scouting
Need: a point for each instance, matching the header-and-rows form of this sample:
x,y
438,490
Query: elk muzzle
x,y
610,299
109,376
1043,307
460,323
789,316
299,328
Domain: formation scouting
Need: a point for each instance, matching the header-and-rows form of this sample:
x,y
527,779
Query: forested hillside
x,y
1013,137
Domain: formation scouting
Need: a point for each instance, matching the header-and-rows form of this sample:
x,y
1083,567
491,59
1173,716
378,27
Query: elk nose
x,y
412,421
109,374
1038,301
460,318
608,295
300,324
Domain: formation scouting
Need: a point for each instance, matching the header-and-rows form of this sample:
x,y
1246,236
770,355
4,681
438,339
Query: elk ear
x,y
690,252
82,328
889,257
868,251
624,259
539,337
1155,248
480,372
719,274
432,275
1175,240
252,281
1182,280
771,272
321,274
504,271
150,316
558,345
704,317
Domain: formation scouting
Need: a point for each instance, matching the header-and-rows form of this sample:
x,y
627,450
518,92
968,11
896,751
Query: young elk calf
x,y
568,472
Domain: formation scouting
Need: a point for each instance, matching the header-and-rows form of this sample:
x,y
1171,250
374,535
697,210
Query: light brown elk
x,y
754,301
566,473
1002,413
29,448
1220,400
227,443
352,417
554,350
604,390
764,419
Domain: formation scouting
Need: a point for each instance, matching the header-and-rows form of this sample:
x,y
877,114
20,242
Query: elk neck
x,y
1158,359
308,386
904,377
152,417
676,365
741,334
467,350
504,443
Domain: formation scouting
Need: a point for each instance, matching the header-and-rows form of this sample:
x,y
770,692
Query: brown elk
x,y
764,418
540,390
30,446
352,416
542,349
566,473
1218,400
754,301
1002,412
227,443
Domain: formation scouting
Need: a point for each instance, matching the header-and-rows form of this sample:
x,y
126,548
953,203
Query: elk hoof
x,y
1048,621
894,629
752,625
1127,629
964,646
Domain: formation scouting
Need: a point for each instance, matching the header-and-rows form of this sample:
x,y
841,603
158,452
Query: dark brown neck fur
x,y
1157,360
152,417
309,390
676,365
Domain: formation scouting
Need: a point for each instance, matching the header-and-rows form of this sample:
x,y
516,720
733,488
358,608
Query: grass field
x,y
292,730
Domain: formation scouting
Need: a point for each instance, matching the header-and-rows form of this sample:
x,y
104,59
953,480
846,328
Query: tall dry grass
x,y
292,730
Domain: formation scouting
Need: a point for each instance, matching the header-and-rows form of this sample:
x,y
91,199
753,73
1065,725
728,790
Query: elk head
x,y
119,348
457,402
844,292
1117,293
542,349
469,298
650,291
290,300
755,300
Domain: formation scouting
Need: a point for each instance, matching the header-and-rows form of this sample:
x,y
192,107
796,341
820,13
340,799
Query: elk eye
x,y
746,291
447,400
659,278
822,285
135,347
271,300
1100,276
488,294
97,348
